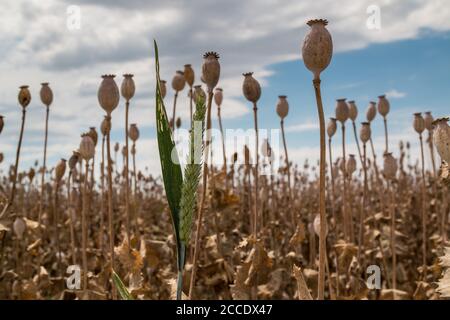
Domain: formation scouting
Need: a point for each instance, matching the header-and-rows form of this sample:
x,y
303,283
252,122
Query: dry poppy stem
x,y
136,206
102,204
430,143
71,223
347,222
393,248
357,141
56,227
255,214
203,198
84,227
386,133
110,202
423,209
173,111
322,237
41,202
288,169
330,156
127,176
223,148
364,206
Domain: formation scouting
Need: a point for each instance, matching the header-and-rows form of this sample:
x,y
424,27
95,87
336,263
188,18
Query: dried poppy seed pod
x,y
282,107
105,127
31,174
178,81
133,132
73,160
24,96
246,155
441,138
210,70
46,94
108,93
93,134
2,123
317,47
87,147
251,87
331,127
352,110
418,123
389,166
351,164
199,93
19,227
341,110
428,118
60,169
365,132
163,88
218,96
189,75
178,122
128,88
371,111
316,225
383,105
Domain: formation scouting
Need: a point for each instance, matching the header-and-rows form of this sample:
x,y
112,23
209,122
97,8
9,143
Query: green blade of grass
x,y
170,167
123,291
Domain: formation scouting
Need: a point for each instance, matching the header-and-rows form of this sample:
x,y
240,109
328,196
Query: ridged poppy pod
x,y
210,70
251,87
428,118
73,160
317,47
24,96
19,227
365,132
218,96
418,123
163,88
87,147
352,110
331,127
342,111
389,166
108,93
383,105
189,75
133,132
441,138
178,122
2,123
178,81
128,88
282,107
46,94
199,93
316,225
105,126
60,169
371,111
351,164
93,134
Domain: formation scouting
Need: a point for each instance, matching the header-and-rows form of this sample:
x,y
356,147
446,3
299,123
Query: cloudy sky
x,y
404,54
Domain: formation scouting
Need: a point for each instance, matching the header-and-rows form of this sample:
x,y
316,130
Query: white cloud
x,y
395,94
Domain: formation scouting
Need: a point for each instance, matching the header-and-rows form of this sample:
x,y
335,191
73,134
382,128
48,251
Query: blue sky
x,y
407,58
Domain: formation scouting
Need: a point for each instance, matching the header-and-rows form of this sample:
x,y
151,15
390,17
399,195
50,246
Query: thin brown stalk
x,y
423,209
41,202
84,228
256,198
203,198
323,221
127,177
223,148
173,111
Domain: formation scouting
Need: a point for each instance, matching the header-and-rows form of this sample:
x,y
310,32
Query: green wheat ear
x,y
192,172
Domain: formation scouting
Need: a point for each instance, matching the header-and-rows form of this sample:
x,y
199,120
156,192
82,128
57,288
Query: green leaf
x,y
170,165
123,291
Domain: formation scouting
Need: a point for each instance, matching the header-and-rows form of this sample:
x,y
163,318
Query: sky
x,y
394,47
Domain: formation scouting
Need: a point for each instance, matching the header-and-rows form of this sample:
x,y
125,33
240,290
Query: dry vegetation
x,y
256,237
